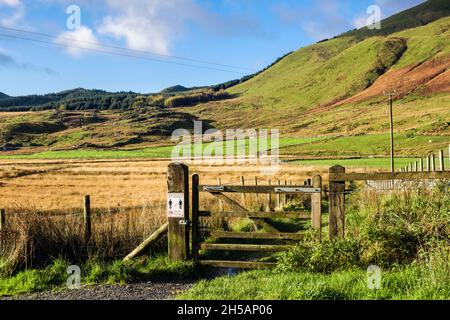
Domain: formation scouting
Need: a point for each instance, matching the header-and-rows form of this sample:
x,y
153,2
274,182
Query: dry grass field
x,y
112,184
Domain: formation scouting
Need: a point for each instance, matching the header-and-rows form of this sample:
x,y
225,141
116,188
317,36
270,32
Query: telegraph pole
x,y
391,95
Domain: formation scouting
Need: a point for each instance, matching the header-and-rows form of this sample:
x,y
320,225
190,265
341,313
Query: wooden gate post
x,y
337,204
316,207
195,216
178,211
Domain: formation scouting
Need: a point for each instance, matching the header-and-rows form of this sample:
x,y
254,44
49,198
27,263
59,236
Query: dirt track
x,y
140,291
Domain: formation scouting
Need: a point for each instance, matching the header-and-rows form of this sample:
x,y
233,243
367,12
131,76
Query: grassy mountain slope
x,y
336,87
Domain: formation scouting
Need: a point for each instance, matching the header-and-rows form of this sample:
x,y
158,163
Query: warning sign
x,y
175,205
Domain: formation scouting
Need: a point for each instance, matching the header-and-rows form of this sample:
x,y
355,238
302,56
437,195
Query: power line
x,y
125,49
119,54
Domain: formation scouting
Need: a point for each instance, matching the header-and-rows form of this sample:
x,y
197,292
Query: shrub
x,y
326,257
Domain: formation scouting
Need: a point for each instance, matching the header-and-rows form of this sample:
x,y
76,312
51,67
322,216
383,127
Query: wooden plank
x,y
257,235
260,189
148,242
178,237
237,264
337,202
389,176
260,215
244,247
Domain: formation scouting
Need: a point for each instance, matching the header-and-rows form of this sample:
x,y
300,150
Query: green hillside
x,y
305,93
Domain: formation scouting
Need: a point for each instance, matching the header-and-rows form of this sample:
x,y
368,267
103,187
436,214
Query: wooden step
x,y
257,235
237,264
305,215
244,247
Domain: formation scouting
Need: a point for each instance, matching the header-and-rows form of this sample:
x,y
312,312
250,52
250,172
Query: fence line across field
x,y
424,164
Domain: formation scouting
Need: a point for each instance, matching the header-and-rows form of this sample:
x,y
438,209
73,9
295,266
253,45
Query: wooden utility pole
x,y
391,95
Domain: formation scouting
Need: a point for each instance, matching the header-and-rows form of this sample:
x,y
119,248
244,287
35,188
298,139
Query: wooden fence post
x,y
421,165
219,181
178,211
256,184
285,197
428,163
279,198
316,207
337,205
243,195
269,199
195,217
441,160
2,219
433,163
87,218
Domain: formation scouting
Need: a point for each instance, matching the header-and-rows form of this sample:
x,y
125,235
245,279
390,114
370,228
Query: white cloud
x,y
153,25
14,15
76,41
147,25
360,22
10,3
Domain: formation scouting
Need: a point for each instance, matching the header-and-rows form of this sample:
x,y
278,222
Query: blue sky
x,y
248,34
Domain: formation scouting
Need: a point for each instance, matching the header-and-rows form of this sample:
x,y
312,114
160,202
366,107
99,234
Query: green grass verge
x,y
375,163
402,283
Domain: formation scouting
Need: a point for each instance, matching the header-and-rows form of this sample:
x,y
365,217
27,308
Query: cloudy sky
x,y
146,45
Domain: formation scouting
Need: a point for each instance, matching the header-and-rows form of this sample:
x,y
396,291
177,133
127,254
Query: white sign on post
x,y
175,205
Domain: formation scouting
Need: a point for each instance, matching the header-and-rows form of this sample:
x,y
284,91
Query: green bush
x,y
388,230
326,257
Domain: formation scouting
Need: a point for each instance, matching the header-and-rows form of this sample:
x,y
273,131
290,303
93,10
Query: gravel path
x,y
140,291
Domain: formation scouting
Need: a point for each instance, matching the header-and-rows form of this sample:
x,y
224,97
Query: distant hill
x,y
337,86
76,99
178,89
3,96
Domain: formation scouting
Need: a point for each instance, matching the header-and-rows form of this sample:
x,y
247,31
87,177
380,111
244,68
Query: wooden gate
x,y
241,240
